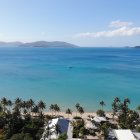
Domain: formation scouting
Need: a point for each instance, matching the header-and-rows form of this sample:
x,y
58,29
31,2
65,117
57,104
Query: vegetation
x,y
69,112
63,137
16,122
127,117
100,113
77,107
115,106
102,103
77,117
78,128
81,110
24,120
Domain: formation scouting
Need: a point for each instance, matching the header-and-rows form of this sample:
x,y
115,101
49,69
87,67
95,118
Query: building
x,y
123,134
99,120
55,127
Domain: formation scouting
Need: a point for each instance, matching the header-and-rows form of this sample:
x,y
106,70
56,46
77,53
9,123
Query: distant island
x,y
137,47
45,44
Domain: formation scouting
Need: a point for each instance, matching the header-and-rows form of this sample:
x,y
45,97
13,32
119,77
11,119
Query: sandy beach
x,y
84,116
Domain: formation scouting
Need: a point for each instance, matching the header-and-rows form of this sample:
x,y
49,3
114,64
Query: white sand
x,y
84,116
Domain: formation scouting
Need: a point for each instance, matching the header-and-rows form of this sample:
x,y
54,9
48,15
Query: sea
x,y
66,76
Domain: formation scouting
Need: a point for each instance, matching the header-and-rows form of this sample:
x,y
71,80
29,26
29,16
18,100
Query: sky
x,y
99,23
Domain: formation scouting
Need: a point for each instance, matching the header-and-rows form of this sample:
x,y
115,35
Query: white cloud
x,y
119,23
123,30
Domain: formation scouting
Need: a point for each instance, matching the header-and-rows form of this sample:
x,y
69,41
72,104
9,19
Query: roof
x,y
63,125
137,135
99,119
124,134
90,125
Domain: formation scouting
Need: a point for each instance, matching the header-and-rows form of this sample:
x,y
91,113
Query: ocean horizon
x,y
67,76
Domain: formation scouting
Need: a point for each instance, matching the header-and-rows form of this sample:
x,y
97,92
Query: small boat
x,y
70,67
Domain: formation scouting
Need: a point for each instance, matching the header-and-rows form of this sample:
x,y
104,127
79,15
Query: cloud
x,y
119,23
123,30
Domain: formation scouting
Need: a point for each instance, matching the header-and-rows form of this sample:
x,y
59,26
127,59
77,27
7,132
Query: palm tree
x,y
18,103
117,99
81,110
124,106
115,106
56,108
138,108
126,101
41,105
4,103
102,103
69,112
25,111
9,103
1,109
77,107
27,106
23,104
31,104
35,109
51,108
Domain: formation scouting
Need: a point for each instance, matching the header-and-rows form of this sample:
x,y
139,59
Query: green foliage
x,y
104,128
28,137
69,112
14,126
115,106
31,128
102,103
128,121
138,128
138,108
127,118
21,136
18,136
78,128
77,117
1,108
100,113
81,110
63,137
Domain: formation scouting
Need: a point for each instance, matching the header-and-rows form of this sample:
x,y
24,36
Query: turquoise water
x,y
67,76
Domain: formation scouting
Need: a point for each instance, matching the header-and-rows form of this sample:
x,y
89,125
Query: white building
x,y
124,134
60,124
99,119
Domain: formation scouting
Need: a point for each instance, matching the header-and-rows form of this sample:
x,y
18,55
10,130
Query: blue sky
x,y
82,22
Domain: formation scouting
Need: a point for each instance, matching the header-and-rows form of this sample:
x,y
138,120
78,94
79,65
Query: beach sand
x,y
84,116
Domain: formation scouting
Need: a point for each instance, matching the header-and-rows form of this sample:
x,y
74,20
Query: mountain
x,y
10,44
137,47
58,44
